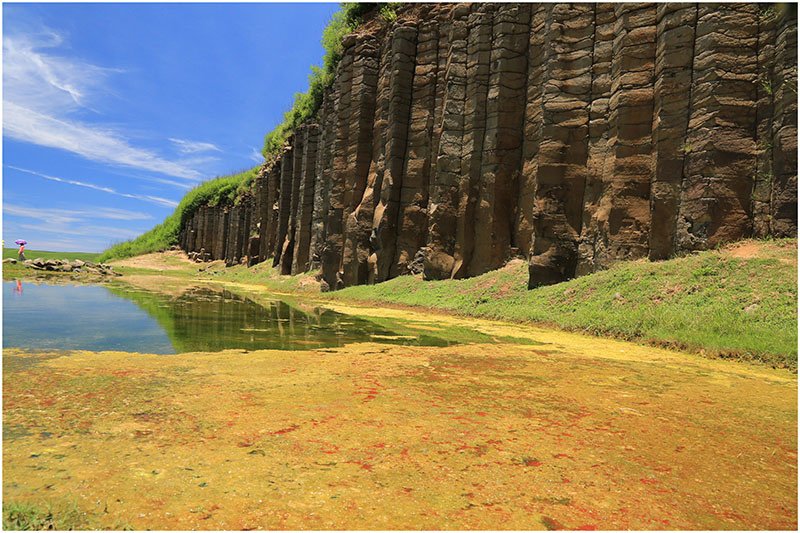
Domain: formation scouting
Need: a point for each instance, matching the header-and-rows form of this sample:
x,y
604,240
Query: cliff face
x,y
575,135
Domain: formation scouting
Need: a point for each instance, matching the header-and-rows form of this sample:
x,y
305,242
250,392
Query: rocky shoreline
x,y
64,265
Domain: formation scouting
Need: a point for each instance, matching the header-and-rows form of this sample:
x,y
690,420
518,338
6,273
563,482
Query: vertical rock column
x,y
355,254
284,203
720,146
221,237
334,242
561,171
262,212
249,234
444,201
190,234
532,128
360,230
599,164
673,85
626,188
210,231
502,147
305,207
287,250
269,228
463,130
765,111
783,212
200,234
323,180
233,228
413,214
401,73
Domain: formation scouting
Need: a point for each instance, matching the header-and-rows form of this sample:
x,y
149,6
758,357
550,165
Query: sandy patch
x,y
169,260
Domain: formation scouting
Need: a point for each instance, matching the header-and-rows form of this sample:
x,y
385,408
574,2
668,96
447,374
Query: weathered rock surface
x,y
462,135
65,265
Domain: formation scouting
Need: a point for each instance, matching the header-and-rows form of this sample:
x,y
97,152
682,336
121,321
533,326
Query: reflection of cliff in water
x,y
204,319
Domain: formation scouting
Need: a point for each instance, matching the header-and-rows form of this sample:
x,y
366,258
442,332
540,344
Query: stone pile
x,y
199,257
65,265
574,135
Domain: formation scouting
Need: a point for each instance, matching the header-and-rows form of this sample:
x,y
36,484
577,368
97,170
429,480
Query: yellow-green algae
x,y
577,432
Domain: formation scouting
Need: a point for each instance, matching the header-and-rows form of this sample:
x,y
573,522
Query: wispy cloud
x,y
62,225
256,156
41,94
164,202
66,216
85,230
194,147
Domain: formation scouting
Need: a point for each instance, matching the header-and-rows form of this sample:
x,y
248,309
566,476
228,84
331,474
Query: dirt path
x,y
591,434
169,260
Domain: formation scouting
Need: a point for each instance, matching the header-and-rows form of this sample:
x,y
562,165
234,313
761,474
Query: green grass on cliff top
x,y
221,190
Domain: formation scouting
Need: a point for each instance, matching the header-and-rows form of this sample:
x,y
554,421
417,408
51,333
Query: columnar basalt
x,y
459,136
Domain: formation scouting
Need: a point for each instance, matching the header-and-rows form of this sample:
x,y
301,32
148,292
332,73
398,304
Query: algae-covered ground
x,y
517,427
577,432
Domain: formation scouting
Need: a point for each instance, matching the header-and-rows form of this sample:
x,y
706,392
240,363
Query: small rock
x,y
10,260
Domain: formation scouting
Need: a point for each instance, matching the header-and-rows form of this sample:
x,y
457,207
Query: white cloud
x,y
193,147
61,226
66,216
256,156
41,94
84,230
164,202
71,222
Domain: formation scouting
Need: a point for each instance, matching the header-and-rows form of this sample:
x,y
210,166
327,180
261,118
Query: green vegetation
x,y
28,517
720,303
307,104
717,302
33,254
221,190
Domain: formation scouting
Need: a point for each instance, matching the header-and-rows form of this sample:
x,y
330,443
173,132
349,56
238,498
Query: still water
x,y
124,318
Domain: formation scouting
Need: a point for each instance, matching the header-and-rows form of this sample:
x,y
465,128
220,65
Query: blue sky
x,y
111,112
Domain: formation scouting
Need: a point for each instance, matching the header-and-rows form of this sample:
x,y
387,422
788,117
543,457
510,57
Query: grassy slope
x,y
33,254
740,301
220,190
714,302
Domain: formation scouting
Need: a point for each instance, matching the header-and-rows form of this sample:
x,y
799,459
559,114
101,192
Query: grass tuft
x,y
29,517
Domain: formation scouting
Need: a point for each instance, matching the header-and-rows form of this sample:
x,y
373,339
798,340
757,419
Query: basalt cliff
x,y
459,136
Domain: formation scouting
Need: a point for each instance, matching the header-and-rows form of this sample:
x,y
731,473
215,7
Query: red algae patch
x,y
372,436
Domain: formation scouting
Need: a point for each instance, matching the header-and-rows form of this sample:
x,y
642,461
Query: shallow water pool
x,y
125,318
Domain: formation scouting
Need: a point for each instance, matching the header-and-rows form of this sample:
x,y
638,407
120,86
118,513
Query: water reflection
x,y
204,319
121,317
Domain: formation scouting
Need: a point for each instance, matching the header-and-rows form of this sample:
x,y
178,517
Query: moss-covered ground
x,y
573,432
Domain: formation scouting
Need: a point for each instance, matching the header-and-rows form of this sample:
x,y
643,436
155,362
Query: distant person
x,y
21,252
